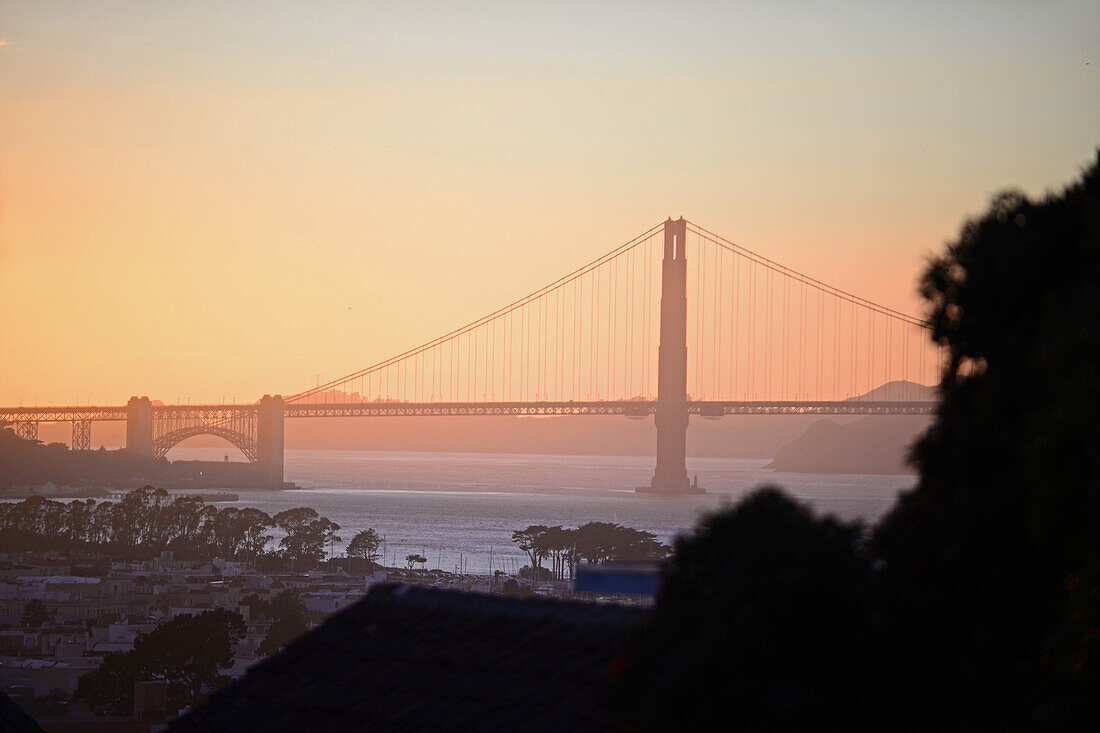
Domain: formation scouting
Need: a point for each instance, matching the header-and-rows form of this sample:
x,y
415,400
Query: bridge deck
x,y
630,408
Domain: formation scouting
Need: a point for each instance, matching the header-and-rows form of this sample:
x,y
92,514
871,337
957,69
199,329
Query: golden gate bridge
x,y
618,336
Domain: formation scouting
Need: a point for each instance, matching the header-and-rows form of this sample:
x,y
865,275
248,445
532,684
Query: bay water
x,y
460,509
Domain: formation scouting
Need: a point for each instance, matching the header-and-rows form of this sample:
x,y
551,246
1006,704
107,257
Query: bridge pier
x,y
139,426
671,417
27,429
82,435
270,438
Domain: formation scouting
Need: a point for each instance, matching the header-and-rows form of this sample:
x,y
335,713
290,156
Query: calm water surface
x,y
449,506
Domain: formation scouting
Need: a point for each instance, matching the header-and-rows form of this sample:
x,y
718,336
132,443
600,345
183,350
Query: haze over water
x,y
448,505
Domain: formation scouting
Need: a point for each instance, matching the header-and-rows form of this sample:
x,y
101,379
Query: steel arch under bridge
x,y
246,442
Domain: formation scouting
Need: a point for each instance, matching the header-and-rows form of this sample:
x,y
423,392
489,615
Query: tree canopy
x,y
365,545
994,560
290,622
591,542
34,614
307,534
760,621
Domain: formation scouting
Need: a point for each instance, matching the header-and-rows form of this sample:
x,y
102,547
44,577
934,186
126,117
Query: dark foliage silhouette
x,y
992,560
591,542
190,652
365,545
289,614
761,620
34,614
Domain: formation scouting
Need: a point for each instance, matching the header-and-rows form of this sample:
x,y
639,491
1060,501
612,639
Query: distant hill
x,y
900,390
874,444
877,444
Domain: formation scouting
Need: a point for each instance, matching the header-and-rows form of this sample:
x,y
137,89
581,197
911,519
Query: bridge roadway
x,y
629,408
216,414
257,428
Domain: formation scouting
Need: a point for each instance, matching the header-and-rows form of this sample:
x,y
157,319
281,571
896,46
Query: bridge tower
x,y
269,438
671,417
139,426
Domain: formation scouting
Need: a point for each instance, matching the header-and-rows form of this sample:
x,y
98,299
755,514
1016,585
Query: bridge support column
x,y
139,426
671,418
82,435
27,429
269,438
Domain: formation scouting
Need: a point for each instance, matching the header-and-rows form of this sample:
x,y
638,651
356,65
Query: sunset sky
x,y
207,201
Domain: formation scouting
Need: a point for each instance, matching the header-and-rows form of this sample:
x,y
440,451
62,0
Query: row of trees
x,y
592,542
148,521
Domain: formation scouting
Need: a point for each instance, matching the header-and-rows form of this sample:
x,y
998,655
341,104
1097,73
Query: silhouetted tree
x,y
761,622
554,543
542,574
109,688
253,525
290,622
307,534
992,562
34,614
189,652
257,607
594,542
530,541
281,633
287,604
365,545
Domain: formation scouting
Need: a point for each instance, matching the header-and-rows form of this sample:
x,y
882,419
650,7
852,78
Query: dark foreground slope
x,y
418,659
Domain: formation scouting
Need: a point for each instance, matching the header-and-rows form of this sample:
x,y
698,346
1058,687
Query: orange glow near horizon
x,y
210,203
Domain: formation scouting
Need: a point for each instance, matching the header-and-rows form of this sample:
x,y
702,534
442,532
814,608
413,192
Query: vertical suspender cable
x,y
767,336
612,345
855,346
751,353
802,359
716,341
786,333
735,323
871,353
